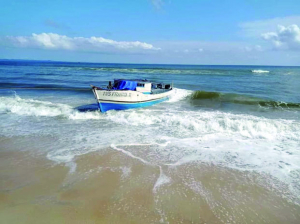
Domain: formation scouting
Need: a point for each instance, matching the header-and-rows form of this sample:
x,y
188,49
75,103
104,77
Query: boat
x,y
125,94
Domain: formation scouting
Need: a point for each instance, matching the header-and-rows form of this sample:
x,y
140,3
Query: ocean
x,y
225,148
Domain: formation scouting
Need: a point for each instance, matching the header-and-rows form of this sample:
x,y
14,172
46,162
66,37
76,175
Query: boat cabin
x,y
139,85
144,87
136,85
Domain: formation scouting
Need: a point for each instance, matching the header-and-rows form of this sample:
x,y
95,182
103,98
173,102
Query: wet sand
x,y
110,186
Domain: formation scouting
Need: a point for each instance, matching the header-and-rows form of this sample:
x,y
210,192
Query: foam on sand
x,y
170,137
161,180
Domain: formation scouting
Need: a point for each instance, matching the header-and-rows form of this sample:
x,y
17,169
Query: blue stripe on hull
x,y
116,106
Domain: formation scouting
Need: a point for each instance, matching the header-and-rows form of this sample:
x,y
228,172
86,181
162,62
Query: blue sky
x,y
152,31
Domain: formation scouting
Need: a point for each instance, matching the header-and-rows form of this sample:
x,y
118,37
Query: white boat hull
x,y
127,99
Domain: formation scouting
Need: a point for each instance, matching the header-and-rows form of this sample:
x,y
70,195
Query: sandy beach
x,y
113,187
147,112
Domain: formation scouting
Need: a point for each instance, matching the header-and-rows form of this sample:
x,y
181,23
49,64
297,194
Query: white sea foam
x,y
170,137
126,171
30,107
161,180
237,141
260,71
179,94
129,154
188,123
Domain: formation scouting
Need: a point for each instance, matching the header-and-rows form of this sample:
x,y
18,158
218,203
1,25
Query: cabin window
x,y
140,84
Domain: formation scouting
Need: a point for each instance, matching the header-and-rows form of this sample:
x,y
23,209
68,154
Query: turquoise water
x,y
239,117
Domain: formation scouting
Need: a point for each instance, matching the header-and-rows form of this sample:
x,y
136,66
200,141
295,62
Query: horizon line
x,y
38,60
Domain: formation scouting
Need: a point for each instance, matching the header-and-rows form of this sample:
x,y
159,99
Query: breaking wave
x,y
30,107
179,94
174,137
260,71
240,99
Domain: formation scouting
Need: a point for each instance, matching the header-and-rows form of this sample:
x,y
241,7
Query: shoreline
x,y
109,186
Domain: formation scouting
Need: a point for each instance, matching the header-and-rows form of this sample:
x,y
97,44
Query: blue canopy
x,y
125,85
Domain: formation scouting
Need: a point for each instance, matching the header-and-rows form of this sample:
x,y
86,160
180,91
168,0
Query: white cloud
x,y
286,37
256,28
61,42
